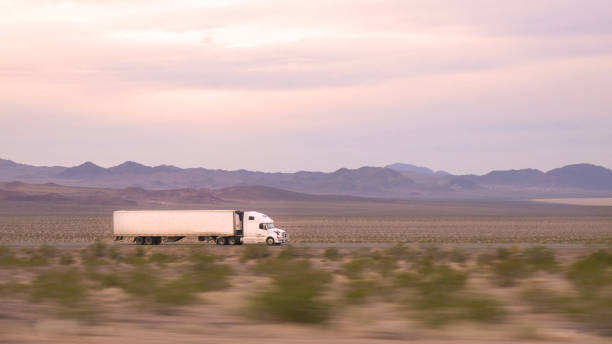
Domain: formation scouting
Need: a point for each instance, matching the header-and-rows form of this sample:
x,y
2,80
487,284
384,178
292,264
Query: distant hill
x,y
398,181
41,193
578,176
524,177
413,168
273,194
10,170
584,176
84,171
131,167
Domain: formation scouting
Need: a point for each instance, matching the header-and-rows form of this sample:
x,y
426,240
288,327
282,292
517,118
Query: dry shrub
x,y
161,258
540,258
33,257
255,252
332,253
66,259
47,251
457,255
506,272
292,252
8,257
294,295
592,273
437,293
509,265
357,291
356,267
67,289
137,257
594,311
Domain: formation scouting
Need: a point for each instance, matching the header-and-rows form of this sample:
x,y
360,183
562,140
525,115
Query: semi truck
x,y
223,227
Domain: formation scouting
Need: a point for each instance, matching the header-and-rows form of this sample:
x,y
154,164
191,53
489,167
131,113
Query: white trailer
x,y
223,227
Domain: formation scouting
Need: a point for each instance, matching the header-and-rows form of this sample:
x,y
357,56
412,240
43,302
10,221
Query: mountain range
x,y
402,181
51,192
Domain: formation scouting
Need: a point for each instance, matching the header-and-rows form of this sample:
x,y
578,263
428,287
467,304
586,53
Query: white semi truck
x,y
223,227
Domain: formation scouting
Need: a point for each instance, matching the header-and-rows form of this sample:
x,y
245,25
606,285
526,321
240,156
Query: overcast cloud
x,y
464,86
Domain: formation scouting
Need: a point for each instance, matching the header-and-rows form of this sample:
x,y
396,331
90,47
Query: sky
x,y
462,86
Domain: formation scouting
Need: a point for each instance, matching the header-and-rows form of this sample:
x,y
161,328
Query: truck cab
x,y
259,228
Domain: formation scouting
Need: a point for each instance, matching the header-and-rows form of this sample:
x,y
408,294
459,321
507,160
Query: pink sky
x,y
464,86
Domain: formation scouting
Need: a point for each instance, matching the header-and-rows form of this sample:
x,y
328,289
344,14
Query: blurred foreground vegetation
x,y
429,285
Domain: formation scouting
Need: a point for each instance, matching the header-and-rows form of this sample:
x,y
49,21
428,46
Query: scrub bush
x,y
510,265
356,267
357,291
485,259
385,265
540,258
65,287
291,252
398,251
481,308
593,311
179,291
161,258
66,259
113,253
8,258
507,271
96,250
47,251
255,252
592,273
437,293
332,253
294,295
137,257
457,255
138,282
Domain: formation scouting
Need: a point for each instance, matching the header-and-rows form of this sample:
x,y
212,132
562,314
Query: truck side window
x,y
251,217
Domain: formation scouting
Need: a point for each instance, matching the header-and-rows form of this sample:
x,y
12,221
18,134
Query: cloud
x,y
305,71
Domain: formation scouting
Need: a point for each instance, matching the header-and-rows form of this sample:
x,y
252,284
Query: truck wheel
x,y
270,241
158,240
221,241
149,240
139,240
231,241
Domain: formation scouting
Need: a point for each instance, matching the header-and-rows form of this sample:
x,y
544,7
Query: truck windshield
x,y
269,225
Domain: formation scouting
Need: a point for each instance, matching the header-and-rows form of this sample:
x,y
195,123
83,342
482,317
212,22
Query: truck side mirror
x,y
261,226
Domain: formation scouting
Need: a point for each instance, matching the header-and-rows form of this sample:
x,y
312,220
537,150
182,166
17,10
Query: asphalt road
x,y
467,246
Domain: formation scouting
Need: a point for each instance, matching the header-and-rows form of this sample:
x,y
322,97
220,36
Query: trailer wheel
x,y
231,241
270,241
139,240
221,241
149,240
158,240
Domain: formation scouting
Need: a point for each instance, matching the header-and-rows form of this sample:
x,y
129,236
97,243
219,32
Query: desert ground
x,y
358,272
601,201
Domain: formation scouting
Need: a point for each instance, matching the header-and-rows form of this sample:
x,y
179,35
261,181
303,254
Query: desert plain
x,y
359,271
